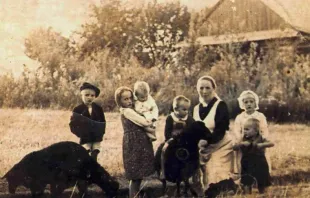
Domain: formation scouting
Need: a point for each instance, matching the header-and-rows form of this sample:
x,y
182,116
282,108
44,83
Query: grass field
x,y
24,131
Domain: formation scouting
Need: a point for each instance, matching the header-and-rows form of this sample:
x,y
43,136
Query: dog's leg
x,y
164,183
178,194
82,186
191,189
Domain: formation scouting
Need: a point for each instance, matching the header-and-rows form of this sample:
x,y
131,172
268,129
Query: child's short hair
x,y
254,122
178,99
141,86
87,85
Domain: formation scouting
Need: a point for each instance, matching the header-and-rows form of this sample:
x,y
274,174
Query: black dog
x,y
181,157
61,165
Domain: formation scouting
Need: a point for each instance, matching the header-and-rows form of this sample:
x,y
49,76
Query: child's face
x,y
182,109
126,99
141,96
249,104
250,129
206,89
88,96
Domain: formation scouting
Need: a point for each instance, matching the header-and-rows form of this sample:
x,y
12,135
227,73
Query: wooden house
x,y
260,21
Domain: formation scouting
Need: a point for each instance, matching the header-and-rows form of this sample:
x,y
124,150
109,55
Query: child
x,y
88,120
145,105
254,166
248,101
138,153
179,118
176,122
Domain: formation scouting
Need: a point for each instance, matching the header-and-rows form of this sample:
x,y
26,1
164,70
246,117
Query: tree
x,y
156,28
53,52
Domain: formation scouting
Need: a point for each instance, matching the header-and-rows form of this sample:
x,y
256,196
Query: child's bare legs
x,y
93,149
134,187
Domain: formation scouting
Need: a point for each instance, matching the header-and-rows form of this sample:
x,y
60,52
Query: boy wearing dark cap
x,y
88,121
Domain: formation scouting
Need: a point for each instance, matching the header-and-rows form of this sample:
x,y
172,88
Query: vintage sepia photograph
x,y
154,98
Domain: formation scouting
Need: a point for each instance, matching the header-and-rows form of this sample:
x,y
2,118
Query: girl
x,y
216,173
138,153
248,101
254,166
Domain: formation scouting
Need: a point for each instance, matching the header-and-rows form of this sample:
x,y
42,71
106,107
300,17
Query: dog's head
x,y
104,180
15,178
197,131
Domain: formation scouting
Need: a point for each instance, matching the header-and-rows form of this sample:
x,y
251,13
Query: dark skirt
x,y
138,152
255,169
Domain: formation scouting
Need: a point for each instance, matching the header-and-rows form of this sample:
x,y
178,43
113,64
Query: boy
x,y
88,120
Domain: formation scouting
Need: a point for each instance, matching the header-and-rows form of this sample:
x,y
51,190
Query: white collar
x,y
176,119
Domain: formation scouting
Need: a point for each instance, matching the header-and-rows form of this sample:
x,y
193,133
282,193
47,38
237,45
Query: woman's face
x,y
206,90
126,99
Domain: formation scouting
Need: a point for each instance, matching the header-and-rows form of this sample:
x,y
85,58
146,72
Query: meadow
x,y
24,131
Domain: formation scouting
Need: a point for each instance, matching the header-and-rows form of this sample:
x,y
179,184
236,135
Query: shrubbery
x,y
281,79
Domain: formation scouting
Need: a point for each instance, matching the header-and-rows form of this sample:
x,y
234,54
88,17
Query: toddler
x,y
176,122
254,166
145,105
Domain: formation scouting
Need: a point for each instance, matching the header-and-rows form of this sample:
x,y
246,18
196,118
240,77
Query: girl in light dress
x,y
248,101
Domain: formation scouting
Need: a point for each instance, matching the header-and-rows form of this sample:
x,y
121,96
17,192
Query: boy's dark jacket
x,y
89,128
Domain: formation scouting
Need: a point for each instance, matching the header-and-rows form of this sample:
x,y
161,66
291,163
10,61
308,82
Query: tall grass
x,y
24,131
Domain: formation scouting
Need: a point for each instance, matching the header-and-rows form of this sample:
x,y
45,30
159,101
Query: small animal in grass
x,y
254,166
181,157
62,165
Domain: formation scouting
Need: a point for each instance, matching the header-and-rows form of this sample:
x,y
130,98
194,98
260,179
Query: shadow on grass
x,y
294,177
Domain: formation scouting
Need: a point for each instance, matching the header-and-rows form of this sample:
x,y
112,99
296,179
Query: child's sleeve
x,y
237,131
264,126
103,120
73,124
154,111
133,116
168,128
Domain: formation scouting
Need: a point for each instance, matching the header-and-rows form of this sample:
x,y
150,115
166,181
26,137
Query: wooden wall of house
x,y
238,16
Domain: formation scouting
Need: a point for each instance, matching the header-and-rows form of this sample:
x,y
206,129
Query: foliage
x,y
155,28
105,58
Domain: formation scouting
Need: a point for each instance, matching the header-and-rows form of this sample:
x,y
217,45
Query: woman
x,y
138,153
216,173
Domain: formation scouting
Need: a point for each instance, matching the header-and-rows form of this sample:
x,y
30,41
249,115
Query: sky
x,y
19,17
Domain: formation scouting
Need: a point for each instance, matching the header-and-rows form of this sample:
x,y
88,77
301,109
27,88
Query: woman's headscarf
x,y
246,94
209,78
118,94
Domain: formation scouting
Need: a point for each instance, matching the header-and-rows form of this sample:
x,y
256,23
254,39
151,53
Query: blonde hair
x,y
141,86
254,123
178,99
118,94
